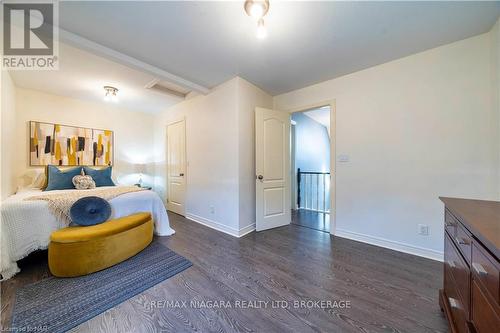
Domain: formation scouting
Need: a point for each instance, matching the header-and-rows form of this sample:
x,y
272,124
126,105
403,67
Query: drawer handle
x,y
462,241
454,303
451,264
479,268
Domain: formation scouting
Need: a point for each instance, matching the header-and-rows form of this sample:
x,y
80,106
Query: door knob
x,y
260,177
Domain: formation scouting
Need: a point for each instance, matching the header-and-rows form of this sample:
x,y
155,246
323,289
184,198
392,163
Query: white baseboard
x,y
390,244
382,242
221,227
246,230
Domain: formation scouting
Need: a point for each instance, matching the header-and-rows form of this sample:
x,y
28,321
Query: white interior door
x,y
176,167
272,157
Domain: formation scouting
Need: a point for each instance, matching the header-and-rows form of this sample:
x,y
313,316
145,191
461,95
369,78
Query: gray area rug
x,y
59,304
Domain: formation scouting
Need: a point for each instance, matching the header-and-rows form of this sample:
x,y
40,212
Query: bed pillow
x,y
31,179
58,179
40,180
83,182
101,177
90,211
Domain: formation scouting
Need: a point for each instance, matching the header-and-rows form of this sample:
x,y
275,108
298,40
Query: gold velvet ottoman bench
x,y
80,250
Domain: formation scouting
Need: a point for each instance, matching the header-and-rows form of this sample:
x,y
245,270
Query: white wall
x,y
220,154
415,129
212,155
249,97
9,148
133,135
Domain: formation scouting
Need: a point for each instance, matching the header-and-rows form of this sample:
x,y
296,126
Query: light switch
x,y
343,158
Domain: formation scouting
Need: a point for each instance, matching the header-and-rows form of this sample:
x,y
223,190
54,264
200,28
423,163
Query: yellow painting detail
x,y
108,153
57,148
58,144
99,144
72,152
35,137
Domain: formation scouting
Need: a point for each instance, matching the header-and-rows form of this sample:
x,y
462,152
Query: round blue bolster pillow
x,y
90,211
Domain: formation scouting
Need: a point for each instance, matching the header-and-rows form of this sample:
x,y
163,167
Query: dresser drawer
x,y
450,223
486,269
456,267
459,316
470,298
485,315
463,240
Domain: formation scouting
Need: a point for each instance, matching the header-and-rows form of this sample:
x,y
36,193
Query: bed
x,y
26,225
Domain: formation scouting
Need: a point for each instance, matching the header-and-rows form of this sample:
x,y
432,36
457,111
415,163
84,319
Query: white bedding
x,y
26,225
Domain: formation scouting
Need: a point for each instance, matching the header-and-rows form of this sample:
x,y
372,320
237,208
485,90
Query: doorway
x,y
311,168
176,166
277,176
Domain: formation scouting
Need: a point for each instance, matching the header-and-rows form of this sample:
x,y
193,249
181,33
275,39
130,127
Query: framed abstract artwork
x,y
69,145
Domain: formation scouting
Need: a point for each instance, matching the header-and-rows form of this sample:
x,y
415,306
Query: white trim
x,y
390,244
176,120
221,227
101,50
246,230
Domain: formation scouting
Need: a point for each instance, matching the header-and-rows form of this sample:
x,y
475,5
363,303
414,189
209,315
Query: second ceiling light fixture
x,y
257,9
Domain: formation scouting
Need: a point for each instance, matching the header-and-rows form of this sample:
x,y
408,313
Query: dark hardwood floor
x,y
311,219
388,291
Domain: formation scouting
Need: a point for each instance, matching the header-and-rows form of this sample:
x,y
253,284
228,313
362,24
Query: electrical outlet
x,y
212,210
423,229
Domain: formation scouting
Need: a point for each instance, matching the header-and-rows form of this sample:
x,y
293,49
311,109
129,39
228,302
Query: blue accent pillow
x,y
90,211
102,177
58,179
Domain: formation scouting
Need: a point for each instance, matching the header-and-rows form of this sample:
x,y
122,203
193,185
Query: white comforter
x,y
26,225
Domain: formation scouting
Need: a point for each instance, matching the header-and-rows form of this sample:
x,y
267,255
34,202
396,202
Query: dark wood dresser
x,y
470,297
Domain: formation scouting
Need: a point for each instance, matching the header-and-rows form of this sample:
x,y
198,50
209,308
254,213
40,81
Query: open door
x,y
176,166
272,169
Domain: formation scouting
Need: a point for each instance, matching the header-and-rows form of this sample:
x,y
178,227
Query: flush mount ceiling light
x,y
257,9
110,94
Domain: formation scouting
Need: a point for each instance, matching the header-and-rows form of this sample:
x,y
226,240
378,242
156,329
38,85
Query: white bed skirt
x,y
26,225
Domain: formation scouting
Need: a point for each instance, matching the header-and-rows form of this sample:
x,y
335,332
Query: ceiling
x,y
320,115
308,42
83,75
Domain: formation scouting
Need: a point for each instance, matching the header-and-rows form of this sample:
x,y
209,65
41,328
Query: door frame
x,y
333,169
177,120
293,176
